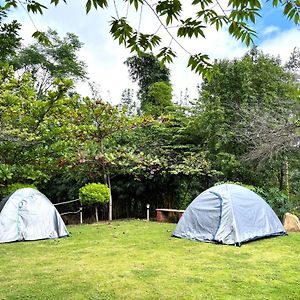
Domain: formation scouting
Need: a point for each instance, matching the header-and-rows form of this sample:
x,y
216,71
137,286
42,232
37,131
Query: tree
x,y
160,99
46,62
10,40
204,14
251,104
146,70
129,103
97,153
293,63
94,193
36,135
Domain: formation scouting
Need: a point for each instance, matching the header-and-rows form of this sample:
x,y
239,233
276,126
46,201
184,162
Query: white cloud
x,y
282,44
270,29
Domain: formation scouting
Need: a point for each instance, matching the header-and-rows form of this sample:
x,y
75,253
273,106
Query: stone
x,y
291,222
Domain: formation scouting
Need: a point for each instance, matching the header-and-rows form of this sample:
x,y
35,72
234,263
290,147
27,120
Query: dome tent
x,y
228,214
27,214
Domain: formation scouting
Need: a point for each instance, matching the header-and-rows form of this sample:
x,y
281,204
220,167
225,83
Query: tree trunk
x,y
96,213
110,208
281,177
107,182
287,175
284,181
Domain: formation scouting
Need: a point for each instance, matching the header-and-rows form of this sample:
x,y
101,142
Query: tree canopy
x,y
10,40
45,62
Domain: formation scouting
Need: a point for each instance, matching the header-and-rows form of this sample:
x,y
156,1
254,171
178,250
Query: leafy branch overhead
x,y
236,15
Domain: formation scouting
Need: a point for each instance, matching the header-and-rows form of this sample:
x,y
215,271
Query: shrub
x,y
93,193
278,200
15,186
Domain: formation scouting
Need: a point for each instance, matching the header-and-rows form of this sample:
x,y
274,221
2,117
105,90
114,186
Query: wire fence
x,y
71,212
66,202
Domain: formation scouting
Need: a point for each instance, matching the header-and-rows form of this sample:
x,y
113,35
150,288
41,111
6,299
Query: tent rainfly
x,y
29,215
228,214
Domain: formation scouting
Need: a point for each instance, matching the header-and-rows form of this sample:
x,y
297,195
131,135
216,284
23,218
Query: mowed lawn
x,y
140,260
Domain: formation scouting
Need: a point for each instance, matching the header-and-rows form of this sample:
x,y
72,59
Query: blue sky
x,y
272,17
105,58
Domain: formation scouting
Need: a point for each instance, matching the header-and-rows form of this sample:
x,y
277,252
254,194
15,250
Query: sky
x,y
105,58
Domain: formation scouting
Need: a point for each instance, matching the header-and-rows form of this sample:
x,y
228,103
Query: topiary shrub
x,y
93,194
15,186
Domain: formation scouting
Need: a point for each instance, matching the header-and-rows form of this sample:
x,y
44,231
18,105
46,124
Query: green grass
x,y
140,260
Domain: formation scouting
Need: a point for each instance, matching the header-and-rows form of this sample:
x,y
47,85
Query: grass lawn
x,y
140,260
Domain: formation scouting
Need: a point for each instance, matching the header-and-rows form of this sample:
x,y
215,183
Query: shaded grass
x,y
140,260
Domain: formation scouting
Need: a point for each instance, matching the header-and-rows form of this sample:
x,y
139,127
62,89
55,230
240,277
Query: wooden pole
x,y
148,212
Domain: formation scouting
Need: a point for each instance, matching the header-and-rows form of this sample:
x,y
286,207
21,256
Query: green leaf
x,y
291,14
287,8
170,8
166,55
55,2
296,18
88,6
42,38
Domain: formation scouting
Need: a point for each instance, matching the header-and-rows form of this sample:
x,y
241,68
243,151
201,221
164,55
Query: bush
x,y
278,200
93,193
15,186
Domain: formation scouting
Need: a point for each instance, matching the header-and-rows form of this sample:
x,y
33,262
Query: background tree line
x,y
243,127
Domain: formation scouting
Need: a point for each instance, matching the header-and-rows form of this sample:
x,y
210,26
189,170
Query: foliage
x,y
11,188
159,99
93,193
203,15
34,133
128,103
152,78
249,122
243,127
98,124
146,70
46,62
10,40
278,200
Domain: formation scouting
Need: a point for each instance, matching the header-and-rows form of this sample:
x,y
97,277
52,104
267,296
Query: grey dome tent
x,y
26,215
228,214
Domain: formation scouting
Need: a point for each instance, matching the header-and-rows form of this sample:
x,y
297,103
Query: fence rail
x,y
66,202
71,212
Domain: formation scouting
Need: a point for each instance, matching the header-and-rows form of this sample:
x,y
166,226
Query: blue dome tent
x,y
228,214
28,215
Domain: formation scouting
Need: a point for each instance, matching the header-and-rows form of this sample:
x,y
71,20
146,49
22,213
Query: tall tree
x,y
254,100
147,71
45,62
159,99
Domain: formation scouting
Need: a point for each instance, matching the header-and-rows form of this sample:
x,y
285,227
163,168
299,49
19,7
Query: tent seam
x,y
18,217
221,211
233,218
